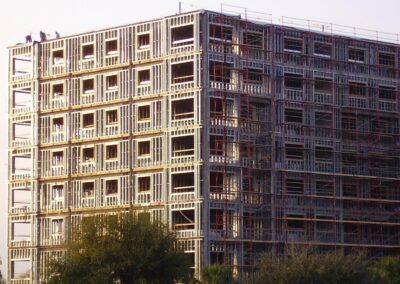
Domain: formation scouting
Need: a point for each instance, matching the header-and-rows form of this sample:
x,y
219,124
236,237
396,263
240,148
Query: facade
x,y
243,136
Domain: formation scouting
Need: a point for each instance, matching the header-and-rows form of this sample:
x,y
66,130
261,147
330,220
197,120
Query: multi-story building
x,y
244,136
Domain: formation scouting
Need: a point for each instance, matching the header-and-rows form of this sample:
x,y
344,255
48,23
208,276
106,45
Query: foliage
x,y
1,276
121,248
302,265
217,274
386,270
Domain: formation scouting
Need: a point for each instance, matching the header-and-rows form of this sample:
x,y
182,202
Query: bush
x,y
305,266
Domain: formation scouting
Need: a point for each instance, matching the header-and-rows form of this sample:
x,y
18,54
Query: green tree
x,y
304,266
386,270
217,274
121,248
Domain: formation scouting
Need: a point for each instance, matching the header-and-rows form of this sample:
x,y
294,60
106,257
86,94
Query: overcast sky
x,y
20,17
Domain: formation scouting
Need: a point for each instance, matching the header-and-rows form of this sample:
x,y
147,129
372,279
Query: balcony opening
x,y
58,124
217,257
293,81
182,35
144,113
112,117
216,106
323,49
217,145
182,72
88,155
323,154
295,223
216,219
21,198
220,107
182,109
144,148
88,120
20,231
57,192
357,89
252,76
22,130
323,119
182,182
112,82
144,184
183,220
246,151
349,159
58,56
294,186
293,45
293,115
216,182
88,51
191,261
88,189
218,32
350,190
20,269
111,187
88,86
22,65
387,93
253,39
143,41
58,158
183,146
327,225
349,121
111,152
382,125
324,188
22,97
220,72
57,226
387,59
323,85
22,164
144,77
58,90
111,47
294,151
356,55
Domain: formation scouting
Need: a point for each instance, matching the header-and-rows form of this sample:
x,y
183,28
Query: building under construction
x,y
244,136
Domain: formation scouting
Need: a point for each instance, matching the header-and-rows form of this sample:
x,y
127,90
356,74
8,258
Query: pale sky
x,y
20,17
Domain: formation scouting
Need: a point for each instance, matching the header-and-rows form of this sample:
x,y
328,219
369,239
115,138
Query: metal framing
x,y
243,136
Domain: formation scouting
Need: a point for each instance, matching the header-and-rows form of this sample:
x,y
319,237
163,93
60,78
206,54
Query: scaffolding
x,y
243,136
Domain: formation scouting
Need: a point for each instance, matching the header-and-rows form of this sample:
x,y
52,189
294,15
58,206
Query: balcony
x,y
88,202
182,149
87,133
57,238
294,94
88,167
111,130
57,170
112,165
112,200
21,142
294,164
144,197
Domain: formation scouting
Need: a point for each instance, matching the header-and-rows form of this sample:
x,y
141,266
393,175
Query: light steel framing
x,y
243,137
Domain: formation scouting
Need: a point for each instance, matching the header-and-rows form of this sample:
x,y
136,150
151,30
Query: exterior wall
x,y
244,137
